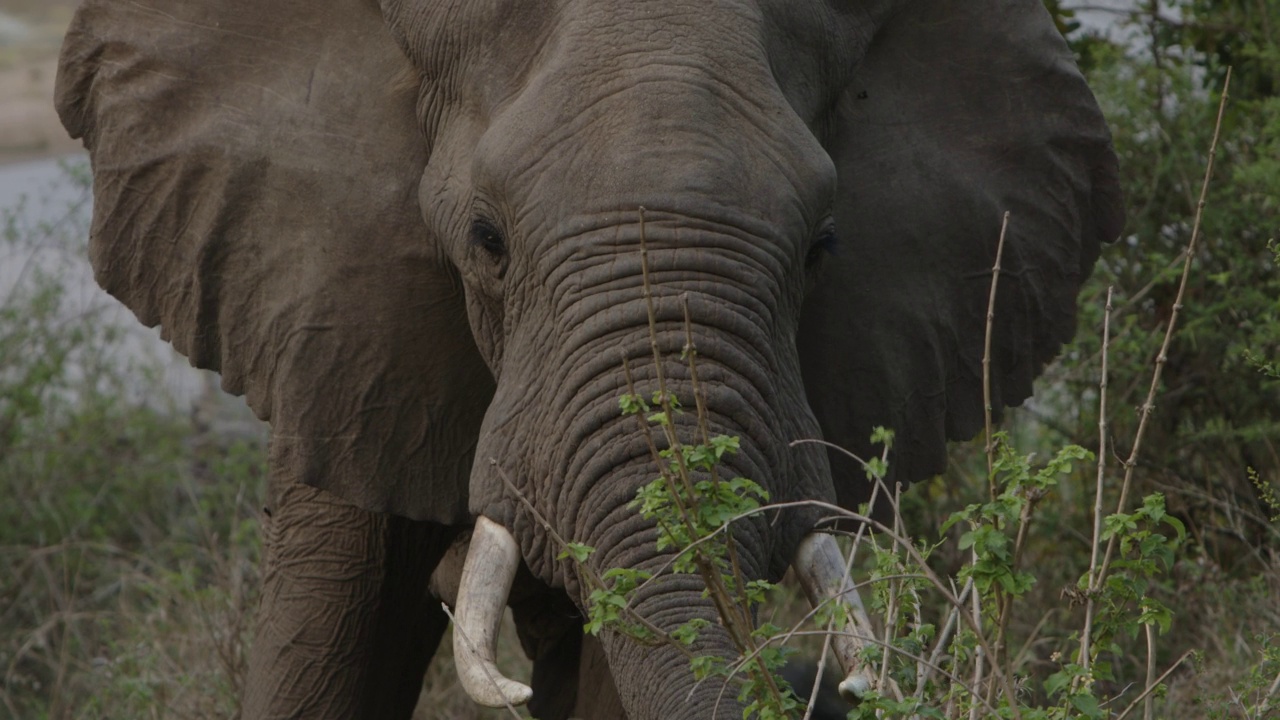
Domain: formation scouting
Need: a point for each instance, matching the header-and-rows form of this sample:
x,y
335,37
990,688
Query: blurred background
x,y
130,485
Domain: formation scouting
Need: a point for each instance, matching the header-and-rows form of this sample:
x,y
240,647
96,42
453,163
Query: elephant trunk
x,y
556,449
656,681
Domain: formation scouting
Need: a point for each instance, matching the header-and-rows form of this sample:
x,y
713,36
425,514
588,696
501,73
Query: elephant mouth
x,y
493,558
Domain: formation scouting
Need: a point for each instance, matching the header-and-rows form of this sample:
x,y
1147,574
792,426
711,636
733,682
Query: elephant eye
x,y
823,244
486,236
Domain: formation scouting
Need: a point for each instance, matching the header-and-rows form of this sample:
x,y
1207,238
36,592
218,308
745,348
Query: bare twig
x,y
944,637
979,654
1148,405
736,620
876,487
827,634
986,356
893,649
1086,637
978,665
917,560
891,612
1147,708
474,651
1151,686
1006,604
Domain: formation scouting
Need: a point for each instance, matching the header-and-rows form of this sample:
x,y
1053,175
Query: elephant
x,y
410,234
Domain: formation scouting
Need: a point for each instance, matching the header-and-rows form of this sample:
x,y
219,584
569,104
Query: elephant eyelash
x,y
824,244
486,236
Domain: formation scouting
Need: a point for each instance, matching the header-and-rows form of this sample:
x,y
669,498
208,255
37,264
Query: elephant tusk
x,y
487,574
447,576
821,569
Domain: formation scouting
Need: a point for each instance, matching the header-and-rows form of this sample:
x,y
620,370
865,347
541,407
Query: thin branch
x,y
986,356
474,651
1152,686
737,621
1147,707
1086,637
1148,405
978,665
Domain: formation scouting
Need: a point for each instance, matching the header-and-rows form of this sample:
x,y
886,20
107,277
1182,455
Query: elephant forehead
x,y
482,54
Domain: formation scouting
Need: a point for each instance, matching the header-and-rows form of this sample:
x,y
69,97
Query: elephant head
x,y
411,236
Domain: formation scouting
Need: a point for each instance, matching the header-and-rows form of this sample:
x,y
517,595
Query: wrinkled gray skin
x,y
409,235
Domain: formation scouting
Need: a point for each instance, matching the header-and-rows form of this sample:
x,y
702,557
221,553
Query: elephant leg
x,y
344,627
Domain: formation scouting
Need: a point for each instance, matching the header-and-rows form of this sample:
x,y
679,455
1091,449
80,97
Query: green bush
x,y
127,545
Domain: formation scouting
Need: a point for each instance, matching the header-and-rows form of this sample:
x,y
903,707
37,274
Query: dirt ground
x,y
30,34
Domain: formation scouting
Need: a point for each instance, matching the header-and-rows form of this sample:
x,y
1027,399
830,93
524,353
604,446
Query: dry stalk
x,y
891,611
924,661
958,602
979,654
1147,708
1086,637
917,622
690,352
1148,406
737,620
1151,686
918,560
663,395
1006,600
972,620
986,356
848,569
827,633
474,651
944,637
821,671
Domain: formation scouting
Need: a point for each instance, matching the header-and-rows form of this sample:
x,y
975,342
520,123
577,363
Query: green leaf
x,y
578,551
882,436
632,404
688,632
1086,704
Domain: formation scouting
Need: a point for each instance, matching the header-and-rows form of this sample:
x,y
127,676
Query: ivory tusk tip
x,y
502,692
492,560
485,685
854,688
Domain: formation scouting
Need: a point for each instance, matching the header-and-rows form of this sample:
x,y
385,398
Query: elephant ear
x,y
255,194
960,112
